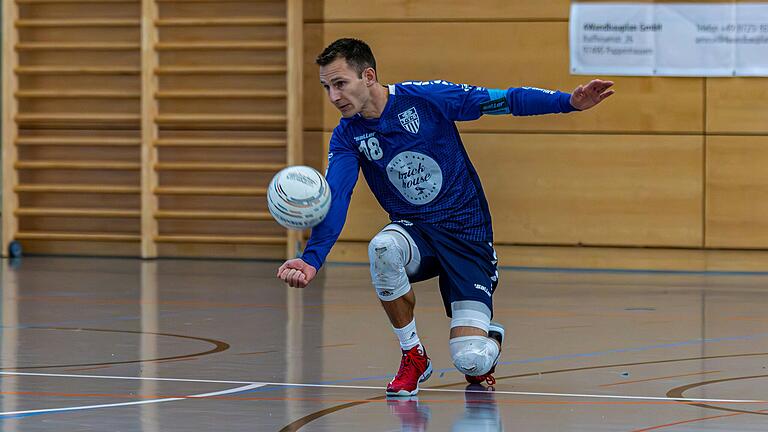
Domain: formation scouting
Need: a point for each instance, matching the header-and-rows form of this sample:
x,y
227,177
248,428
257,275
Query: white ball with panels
x,y
298,197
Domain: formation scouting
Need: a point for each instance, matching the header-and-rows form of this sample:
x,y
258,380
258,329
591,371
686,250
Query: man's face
x,y
346,90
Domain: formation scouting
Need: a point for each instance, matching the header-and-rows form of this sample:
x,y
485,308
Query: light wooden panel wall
x,y
737,106
222,116
91,167
443,10
73,126
653,167
592,189
150,127
510,54
605,190
737,192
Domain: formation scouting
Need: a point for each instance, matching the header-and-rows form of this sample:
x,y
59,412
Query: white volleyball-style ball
x,y
298,197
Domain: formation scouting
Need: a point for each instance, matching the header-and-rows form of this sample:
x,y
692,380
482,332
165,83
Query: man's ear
x,y
369,76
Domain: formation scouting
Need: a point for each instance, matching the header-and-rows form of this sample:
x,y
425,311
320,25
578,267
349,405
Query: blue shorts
x,y
467,270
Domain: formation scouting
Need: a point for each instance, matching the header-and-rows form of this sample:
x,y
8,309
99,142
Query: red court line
x,y
542,313
689,421
325,400
570,327
742,318
88,368
256,352
109,301
177,360
336,345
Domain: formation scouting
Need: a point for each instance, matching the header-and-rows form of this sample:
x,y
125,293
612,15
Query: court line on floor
x,y
601,270
243,397
679,391
696,420
636,271
298,424
691,342
348,387
681,422
11,414
219,346
658,378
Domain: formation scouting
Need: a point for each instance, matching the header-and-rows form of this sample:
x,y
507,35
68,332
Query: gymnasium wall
x,y
114,149
664,163
149,127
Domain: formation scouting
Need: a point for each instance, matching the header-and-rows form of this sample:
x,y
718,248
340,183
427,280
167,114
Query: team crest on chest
x,y
410,120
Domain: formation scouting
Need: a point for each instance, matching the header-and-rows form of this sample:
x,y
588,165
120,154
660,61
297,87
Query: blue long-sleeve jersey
x,y
414,161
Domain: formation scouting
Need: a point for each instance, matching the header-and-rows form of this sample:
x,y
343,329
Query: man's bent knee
x,y
472,355
388,274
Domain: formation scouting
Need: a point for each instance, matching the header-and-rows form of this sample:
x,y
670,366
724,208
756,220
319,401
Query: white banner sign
x,y
671,39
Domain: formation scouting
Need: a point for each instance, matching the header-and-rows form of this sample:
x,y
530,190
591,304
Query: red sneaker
x,y
488,377
415,368
495,331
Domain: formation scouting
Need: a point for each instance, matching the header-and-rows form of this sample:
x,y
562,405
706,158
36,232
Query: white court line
x,y
143,402
263,384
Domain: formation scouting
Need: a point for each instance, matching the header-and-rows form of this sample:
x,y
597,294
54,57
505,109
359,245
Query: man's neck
x,y
379,96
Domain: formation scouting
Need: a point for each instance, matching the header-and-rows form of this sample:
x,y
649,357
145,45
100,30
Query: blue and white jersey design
x,y
414,161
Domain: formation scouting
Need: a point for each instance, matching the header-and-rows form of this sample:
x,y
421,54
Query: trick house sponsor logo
x,y
417,176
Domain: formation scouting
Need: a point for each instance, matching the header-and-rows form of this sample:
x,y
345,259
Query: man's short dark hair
x,y
356,52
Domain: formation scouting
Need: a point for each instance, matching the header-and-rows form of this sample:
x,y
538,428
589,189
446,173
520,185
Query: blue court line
x,y
635,349
607,270
167,314
523,361
89,322
444,370
556,358
15,416
636,271
65,410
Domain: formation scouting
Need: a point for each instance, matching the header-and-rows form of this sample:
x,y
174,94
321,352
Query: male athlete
x,y
404,139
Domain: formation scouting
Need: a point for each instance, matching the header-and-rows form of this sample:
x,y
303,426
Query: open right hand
x,y
586,96
296,273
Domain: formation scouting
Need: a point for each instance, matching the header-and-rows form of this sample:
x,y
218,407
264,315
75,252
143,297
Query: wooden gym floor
x,y
192,345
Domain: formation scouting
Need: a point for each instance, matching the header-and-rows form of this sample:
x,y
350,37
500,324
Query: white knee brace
x,y
390,252
470,313
474,355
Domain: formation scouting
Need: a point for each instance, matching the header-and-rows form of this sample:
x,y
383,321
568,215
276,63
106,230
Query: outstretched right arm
x,y
342,172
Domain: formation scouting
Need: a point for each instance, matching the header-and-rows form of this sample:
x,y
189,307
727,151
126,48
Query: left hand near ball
x,y
296,273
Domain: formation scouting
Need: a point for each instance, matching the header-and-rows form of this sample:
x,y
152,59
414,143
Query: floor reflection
x,y
481,414
413,415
